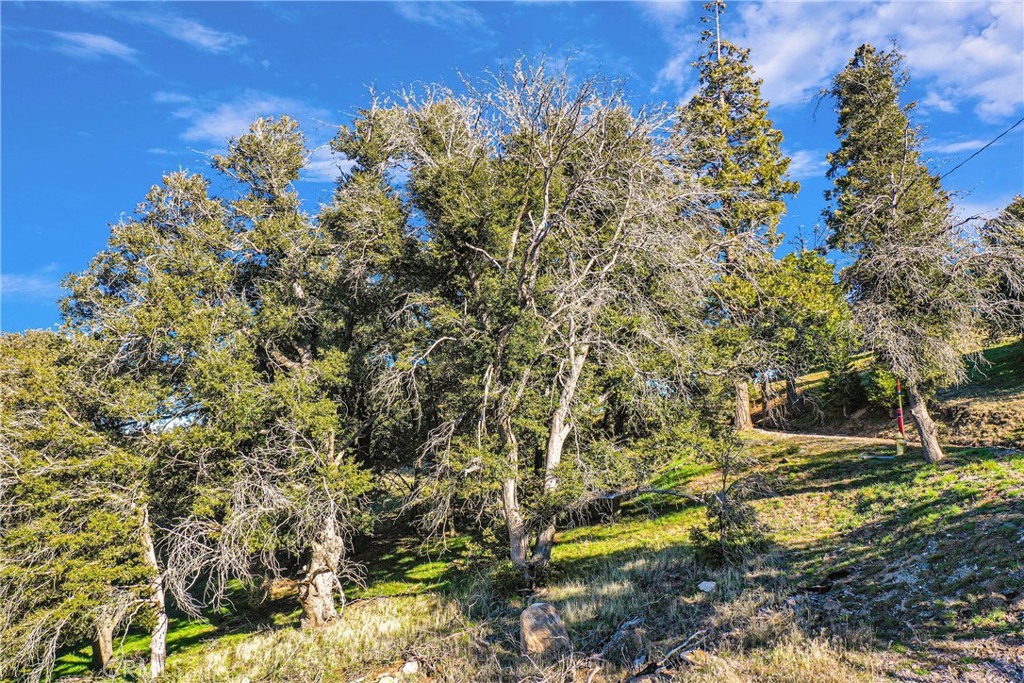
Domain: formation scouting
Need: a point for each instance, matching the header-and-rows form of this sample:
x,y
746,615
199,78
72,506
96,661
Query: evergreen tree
x,y
921,283
240,314
73,553
806,317
547,278
724,137
1005,234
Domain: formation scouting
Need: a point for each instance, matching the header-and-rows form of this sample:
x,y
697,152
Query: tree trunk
x,y
316,590
792,395
103,643
926,428
741,419
518,543
158,636
560,429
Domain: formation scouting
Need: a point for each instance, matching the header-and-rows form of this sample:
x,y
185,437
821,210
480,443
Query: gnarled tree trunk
x,y
926,428
316,590
741,416
158,636
103,641
518,542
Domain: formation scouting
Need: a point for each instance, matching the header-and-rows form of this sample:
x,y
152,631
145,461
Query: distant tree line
x,y
525,294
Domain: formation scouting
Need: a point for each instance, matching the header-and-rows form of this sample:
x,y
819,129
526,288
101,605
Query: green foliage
x,y
842,391
71,551
732,531
880,388
726,141
256,333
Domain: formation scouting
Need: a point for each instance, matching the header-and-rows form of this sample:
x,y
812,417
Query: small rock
x,y
387,679
541,631
411,668
706,586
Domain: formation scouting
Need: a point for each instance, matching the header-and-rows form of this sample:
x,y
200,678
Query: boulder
x,y
542,633
706,586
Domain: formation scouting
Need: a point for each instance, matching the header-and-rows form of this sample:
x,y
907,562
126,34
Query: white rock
x,y
411,668
387,679
706,586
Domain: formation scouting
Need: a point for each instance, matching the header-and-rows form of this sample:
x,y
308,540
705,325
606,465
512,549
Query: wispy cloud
x,y
91,46
42,285
448,16
170,22
324,166
805,163
189,31
212,122
955,147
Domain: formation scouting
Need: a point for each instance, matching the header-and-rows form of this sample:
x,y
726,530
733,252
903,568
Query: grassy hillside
x,y
988,409
875,570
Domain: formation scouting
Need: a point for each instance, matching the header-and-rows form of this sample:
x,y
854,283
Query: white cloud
x,y
965,53
210,124
955,147
450,16
213,123
805,163
35,287
163,97
324,166
92,46
172,24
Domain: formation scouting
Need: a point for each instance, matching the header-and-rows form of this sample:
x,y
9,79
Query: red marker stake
x,y
899,410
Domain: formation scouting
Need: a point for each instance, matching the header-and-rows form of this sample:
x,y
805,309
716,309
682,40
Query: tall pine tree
x,y
725,135
920,284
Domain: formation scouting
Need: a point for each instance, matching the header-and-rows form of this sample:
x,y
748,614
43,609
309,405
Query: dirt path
x,y
840,437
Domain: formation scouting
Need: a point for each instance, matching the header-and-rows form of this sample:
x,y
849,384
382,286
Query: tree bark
x,y
792,395
560,429
741,417
158,636
518,542
926,428
103,642
316,590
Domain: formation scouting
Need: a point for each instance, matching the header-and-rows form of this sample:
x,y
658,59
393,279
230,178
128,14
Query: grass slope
x,y
876,570
987,410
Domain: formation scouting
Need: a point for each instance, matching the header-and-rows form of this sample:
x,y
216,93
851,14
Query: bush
x,y
842,391
732,531
880,388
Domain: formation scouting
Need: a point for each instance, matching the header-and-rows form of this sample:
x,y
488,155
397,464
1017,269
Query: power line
x,y
982,149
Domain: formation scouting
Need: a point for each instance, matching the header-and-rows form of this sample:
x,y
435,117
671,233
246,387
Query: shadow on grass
x,y
931,551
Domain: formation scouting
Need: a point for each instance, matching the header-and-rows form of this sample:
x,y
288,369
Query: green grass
x,y
864,556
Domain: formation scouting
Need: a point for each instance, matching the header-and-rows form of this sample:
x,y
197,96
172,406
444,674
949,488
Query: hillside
x,y
875,570
987,410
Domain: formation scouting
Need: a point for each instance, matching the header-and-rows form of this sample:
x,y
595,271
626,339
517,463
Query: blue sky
x,y
99,99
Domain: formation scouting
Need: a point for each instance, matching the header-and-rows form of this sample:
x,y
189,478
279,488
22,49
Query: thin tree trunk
x,y
158,636
741,418
926,428
316,590
560,429
792,394
518,543
103,642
